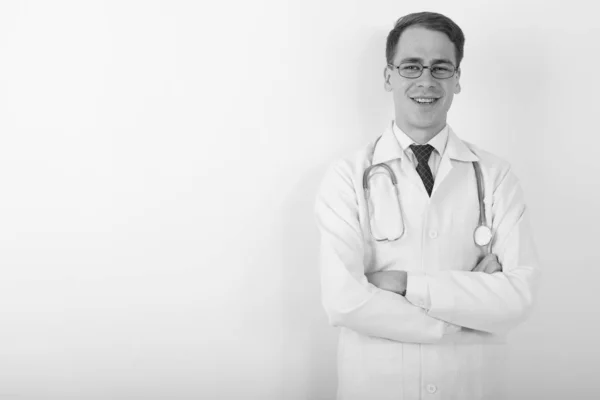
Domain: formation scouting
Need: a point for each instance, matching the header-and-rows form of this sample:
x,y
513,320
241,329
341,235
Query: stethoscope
x,y
482,235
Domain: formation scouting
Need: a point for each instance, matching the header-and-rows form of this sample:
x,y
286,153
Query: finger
x,y
478,268
481,266
497,267
370,277
489,267
494,267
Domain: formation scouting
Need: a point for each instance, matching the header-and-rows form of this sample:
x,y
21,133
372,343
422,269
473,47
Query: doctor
x,y
423,309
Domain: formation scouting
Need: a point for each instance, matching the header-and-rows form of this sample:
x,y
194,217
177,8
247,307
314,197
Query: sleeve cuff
x,y
417,290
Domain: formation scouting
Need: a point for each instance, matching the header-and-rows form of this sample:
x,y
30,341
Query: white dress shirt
x,y
438,142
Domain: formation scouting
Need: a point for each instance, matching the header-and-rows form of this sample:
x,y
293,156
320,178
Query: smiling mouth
x,y
424,100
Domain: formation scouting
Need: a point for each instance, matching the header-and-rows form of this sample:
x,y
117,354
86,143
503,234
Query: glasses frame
x,y
423,68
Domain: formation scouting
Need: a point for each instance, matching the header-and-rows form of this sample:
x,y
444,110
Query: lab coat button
x,y
431,388
433,234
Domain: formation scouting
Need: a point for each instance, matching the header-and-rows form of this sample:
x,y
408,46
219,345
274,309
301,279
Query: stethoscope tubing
x,y
482,226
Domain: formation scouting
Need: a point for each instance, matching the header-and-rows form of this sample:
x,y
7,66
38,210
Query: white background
x,y
159,161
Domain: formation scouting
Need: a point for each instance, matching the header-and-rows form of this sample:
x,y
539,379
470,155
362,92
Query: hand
x,y
392,281
489,264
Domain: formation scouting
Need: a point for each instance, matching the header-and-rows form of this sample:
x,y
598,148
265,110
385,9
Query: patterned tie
x,y
422,152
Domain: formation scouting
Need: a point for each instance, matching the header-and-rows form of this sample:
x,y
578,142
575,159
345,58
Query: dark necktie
x,y
422,152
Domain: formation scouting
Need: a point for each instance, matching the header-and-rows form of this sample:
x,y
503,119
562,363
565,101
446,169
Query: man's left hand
x,y
489,264
392,281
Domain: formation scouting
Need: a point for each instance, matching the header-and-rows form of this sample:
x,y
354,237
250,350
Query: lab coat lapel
x,y
388,149
408,169
456,150
443,170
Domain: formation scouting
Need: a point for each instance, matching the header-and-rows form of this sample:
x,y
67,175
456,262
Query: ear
x,y
387,76
457,85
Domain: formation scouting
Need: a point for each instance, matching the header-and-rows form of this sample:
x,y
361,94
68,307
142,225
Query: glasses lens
x,y
410,70
414,70
442,71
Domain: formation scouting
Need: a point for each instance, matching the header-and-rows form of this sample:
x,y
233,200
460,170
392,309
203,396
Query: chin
x,y
427,123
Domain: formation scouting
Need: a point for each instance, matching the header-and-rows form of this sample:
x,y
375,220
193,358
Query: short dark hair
x,y
431,21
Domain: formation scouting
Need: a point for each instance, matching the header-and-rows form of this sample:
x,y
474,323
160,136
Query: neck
x,y
420,135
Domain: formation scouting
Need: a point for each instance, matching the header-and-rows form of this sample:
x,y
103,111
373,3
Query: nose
x,y
426,79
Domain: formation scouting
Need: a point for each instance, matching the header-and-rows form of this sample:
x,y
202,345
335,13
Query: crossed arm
x,y
348,298
498,293
396,281
493,297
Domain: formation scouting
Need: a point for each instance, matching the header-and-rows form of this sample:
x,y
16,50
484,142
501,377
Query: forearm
x,y
477,300
385,314
351,301
348,297
493,302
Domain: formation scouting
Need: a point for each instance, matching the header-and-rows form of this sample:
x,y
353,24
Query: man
x,y
423,309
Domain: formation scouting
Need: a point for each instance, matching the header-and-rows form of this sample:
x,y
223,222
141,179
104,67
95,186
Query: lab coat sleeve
x,y
348,298
495,302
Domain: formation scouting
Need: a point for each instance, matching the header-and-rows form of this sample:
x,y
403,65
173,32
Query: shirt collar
x,y
388,147
438,141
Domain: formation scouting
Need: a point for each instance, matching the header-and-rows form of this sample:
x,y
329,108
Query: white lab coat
x,y
447,338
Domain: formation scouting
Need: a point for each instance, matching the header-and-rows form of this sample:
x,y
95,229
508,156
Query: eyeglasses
x,y
414,70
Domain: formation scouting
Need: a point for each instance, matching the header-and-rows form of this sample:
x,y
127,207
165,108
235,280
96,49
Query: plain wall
x,y
159,161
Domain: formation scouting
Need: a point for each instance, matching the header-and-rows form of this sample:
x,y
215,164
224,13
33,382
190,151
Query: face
x,y
435,95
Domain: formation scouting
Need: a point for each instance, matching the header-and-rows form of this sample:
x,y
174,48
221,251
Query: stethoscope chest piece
x,y
482,235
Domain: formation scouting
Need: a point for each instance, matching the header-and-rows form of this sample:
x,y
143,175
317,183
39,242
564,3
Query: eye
x,y
410,67
442,68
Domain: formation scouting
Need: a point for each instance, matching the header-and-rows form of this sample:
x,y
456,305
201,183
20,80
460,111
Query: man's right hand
x,y
489,264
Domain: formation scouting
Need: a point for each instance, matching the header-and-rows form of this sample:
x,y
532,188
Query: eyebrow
x,y
421,61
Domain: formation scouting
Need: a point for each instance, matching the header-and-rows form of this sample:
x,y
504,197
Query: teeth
x,y
422,100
